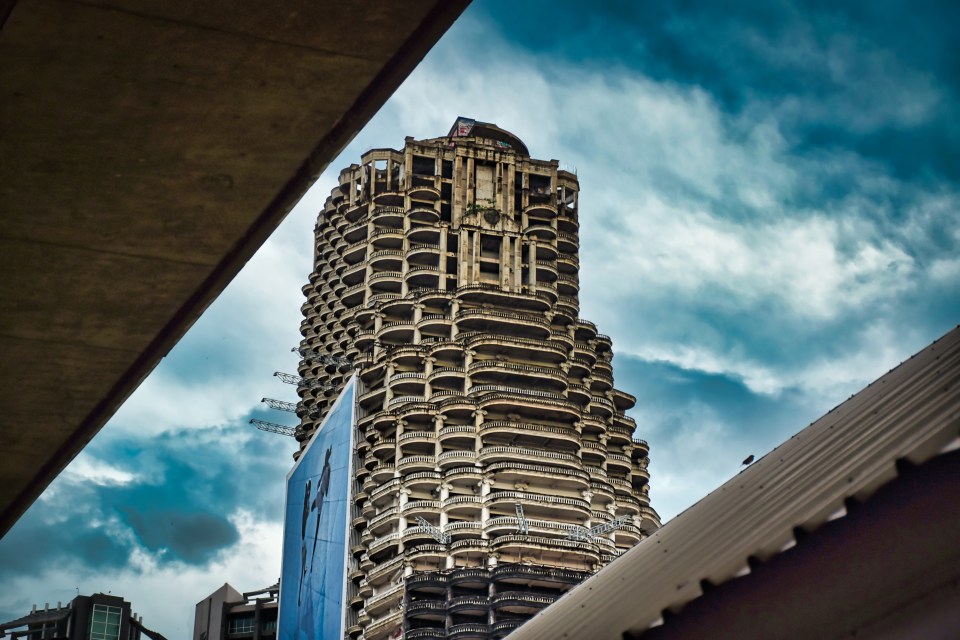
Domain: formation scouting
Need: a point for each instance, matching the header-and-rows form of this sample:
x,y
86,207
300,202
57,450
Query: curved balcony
x,y
385,280
562,339
448,376
468,631
426,480
419,534
562,477
452,459
535,503
423,276
579,394
469,577
372,398
388,542
386,260
464,529
459,436
427,582
424,192
427,609
398,332
427,234
525,573
415,408
384,522
481,293
435,323
355,211
416,437
409,464
421,508
619,463
388,217
514,400
352,296
382,450
524,602
525,348
503,321
503,628
391,198
387,239
513,429
355,232
462,477
542,232
456,405
492,454
525,545
426,633
385,491
568,286
431,295
422,253
601,406
568,224
623,400
541,210
384,600
511,373
568,263
382,472
568,242
354,252
379,627
424,214
469,604
462,506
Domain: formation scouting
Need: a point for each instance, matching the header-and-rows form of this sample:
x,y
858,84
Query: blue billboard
x,y
313,576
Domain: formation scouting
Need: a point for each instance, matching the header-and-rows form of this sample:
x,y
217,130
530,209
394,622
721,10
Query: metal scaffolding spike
x,y
438,534
271,427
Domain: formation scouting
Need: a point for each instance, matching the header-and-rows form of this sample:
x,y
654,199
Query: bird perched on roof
x,y
748,460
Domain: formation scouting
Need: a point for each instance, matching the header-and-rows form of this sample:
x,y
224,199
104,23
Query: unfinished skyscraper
x,y
495,465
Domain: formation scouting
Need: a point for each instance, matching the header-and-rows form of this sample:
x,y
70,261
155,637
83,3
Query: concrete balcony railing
x,y
504,453
410,463
380,544
534,498
378,628
421,507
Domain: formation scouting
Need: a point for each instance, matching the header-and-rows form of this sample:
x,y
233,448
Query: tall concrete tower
x,y
495,465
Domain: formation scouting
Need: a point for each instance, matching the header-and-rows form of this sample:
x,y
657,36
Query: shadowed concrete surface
x,y
147,150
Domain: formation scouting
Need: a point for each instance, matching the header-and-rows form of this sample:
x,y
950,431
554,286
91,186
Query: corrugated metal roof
x,y
912,413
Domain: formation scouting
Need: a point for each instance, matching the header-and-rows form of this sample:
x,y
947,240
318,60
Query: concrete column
x,y
475,276
532,262
484,510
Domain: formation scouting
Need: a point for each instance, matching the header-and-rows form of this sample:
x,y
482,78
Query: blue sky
x,y
768,224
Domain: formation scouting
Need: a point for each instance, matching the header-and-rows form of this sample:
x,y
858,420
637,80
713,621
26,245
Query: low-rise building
x,y
227,614
100,616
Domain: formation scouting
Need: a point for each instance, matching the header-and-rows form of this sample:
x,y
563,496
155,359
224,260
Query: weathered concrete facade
x,y
490,432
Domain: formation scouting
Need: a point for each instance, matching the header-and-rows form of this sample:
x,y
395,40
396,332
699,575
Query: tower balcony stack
x,y
491,438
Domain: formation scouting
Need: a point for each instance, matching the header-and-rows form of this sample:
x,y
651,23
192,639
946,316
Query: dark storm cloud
x,y
187,485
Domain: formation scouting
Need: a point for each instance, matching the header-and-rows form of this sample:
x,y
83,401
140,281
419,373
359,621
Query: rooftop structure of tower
x,y
496,466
